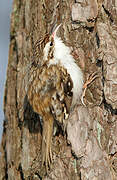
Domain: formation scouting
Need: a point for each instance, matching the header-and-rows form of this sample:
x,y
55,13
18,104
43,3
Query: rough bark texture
x,y
89,27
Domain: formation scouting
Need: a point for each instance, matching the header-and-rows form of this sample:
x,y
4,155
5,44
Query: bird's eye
x,y
51,44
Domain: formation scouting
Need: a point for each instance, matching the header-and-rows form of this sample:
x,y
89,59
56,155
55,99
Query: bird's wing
x,y
50,95
50,90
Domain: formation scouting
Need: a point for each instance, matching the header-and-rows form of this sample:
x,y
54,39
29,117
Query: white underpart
x,y
62,55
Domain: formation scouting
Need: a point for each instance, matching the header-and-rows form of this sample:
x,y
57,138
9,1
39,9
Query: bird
x,y
55,88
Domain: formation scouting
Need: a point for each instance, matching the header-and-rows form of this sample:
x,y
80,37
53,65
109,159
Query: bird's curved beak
x,y
55,31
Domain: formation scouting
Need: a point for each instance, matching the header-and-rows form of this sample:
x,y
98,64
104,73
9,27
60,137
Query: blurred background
x,y
5,11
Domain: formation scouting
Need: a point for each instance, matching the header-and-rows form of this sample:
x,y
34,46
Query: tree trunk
x,y
89,152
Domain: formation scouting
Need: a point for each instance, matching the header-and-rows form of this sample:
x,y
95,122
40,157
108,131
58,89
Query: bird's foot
x,y
89,80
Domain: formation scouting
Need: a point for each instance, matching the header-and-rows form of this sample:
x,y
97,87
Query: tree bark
x,y
89,152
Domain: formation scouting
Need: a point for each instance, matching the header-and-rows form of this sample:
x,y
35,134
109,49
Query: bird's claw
x,y
89,80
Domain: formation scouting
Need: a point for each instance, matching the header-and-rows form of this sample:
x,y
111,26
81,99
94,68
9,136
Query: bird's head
x,y
50,47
